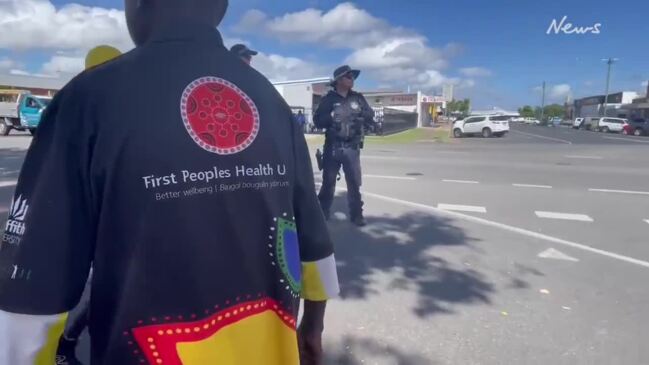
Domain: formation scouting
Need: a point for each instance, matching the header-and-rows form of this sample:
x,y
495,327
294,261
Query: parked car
x,y
485,125
577,123
555,122
517,120
590,123
532,121
20,110
637,127
608,125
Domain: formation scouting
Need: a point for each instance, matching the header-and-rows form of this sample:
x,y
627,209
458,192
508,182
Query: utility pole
x,y
609,62
543,103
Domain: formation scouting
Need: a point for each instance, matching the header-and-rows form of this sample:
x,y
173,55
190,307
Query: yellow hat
x,y
101,54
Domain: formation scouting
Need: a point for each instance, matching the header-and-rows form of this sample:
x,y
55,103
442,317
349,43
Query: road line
x,y
564,216
371,157
4,184
619,191
532,186
390,177
462,208
585,157
543,137
461,181
626,139
513,229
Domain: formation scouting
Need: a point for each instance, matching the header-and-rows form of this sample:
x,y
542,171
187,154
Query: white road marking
x,y
564,216
390,177
619,191
585,157
340,216
543,137
370,157
629,139
532,186
509,228
460,181
462,208
551,253
4,184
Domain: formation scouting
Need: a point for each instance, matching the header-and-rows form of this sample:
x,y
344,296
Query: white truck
x,y
20,110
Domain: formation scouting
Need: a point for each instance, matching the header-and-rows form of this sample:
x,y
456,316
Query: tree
x,y
550,111
526,112
459,106
555,110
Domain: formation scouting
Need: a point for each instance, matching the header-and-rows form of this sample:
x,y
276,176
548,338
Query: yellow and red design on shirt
x,y
262,326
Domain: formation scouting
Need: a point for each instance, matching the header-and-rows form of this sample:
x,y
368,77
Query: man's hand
x,y
310,344
309,334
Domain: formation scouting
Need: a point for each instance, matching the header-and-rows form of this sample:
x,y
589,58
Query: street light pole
x,y
609,62
543,103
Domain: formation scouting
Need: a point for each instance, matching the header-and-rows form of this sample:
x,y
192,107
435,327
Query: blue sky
x,y
497,52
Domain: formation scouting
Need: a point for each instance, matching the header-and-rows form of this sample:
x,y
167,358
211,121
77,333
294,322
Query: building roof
x,y
33,82
317,80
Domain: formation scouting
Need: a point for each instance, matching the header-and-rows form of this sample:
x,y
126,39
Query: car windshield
x,y
44,101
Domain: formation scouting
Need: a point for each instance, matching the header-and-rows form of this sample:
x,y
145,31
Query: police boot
x,y
359,220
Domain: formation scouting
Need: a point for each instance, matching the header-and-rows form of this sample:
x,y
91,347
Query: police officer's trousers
x,y
350,160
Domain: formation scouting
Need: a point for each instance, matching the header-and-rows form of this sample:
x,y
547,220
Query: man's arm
x,y
48,242
319,275
366,112
322,118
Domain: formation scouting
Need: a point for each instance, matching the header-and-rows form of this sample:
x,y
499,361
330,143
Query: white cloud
x,y
38,24
344,26
7,64
560,92
391,55
555,93
475,72
60,64
280,68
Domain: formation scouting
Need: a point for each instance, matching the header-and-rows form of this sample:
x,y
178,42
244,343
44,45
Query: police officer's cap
x,y
342,71
242,50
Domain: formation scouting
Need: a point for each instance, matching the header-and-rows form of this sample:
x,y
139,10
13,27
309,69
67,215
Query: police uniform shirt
x,y
177,171
358,107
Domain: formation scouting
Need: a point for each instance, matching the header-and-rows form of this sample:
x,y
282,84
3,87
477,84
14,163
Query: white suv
x,y
485,125
607,125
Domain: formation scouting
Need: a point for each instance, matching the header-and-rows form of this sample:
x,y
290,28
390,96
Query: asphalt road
x,y
527,249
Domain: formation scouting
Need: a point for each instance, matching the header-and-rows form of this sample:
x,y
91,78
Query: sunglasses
x,y
349,76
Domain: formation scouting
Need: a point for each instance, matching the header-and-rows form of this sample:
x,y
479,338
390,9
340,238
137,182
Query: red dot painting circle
x,y
219,116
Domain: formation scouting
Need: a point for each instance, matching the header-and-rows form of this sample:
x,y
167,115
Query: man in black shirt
x,y
177,170
345,115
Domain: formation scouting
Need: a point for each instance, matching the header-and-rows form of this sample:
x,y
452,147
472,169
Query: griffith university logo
x,y
219,116
16,220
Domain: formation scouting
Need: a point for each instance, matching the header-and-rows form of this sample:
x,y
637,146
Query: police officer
x,y
170,269
242,51
345,115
